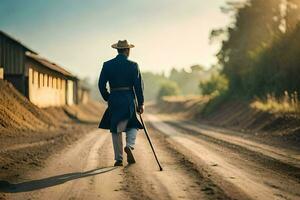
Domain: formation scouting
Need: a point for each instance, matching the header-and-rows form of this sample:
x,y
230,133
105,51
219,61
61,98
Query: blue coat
x,y
121,112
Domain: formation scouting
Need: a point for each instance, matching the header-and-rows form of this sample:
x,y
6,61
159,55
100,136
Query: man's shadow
x,y
49,181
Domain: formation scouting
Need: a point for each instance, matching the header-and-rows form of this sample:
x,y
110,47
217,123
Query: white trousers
x,y
118,142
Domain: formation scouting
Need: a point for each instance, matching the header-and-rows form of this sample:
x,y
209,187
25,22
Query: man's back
x,y
120,72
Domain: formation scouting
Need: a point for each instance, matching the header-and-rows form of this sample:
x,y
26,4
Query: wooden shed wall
x,y
46,87
12,56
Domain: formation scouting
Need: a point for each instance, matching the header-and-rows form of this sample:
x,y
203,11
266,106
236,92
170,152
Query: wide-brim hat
x,y
122,44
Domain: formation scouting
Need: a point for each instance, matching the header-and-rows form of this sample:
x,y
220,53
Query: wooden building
x,y
48,83
43,82
12,59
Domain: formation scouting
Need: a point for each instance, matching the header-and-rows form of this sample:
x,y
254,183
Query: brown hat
x,y
122,44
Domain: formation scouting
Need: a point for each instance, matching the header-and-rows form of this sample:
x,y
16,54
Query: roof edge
x,y
17,41
50,65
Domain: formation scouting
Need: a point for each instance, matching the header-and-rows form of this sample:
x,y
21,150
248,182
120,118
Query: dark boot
x,y
118,163
130,157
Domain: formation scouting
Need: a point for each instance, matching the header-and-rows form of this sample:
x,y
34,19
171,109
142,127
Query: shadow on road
x,y
50,181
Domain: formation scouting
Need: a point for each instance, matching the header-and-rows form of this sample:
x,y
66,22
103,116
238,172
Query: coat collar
x,y
121,56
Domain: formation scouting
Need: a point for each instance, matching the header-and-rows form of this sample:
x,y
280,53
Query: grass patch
x,y
287,104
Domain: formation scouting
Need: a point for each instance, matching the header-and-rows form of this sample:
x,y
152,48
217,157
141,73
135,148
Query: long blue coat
x,y
121,112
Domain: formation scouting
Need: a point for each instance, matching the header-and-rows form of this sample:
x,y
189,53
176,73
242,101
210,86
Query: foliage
x,y
188,80
215,101
152,83
260,53
168,88
278,68
217,84
288,103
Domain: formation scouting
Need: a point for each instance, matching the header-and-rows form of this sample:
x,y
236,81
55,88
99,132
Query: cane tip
x,y
160,169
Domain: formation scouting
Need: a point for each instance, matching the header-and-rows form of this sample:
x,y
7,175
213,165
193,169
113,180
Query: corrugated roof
x,y
17,41
49,64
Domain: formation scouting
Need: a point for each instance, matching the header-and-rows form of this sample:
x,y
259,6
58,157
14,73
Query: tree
x,y
253,30
216,85
168,88
152,84
292,14
260,53
188,80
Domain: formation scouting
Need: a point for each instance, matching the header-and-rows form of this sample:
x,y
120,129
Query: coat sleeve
x,y
102,83
138,86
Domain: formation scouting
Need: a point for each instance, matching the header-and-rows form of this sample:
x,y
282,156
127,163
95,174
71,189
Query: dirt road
x,y
242,168
199,163
84,171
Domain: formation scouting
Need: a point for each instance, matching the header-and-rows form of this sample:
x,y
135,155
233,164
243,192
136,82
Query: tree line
x,y
260,51
178,82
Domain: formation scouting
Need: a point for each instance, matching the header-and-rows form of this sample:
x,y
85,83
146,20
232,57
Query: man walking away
x,y
125,82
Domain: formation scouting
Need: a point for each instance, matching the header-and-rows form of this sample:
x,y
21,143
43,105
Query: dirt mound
x,y
59,114
90,112
242,116
237,115
85,113
187,106
17,113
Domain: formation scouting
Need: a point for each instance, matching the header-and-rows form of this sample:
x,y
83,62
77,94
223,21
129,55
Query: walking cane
x,y
149,140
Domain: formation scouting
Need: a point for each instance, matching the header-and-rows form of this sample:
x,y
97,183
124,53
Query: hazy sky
x,y
78,33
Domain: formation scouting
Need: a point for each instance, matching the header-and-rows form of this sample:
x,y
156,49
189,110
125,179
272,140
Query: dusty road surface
x,y
84,171
242,168
199,163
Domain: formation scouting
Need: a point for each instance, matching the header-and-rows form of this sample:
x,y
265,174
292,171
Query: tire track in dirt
x,y
26,145
179,180
288,165
109,185
79,189
67,175
239,177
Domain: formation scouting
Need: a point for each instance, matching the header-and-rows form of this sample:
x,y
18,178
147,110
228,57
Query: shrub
x,y
216,85
215,102
288,103
168,88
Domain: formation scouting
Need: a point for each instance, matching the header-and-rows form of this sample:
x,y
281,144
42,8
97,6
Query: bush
x,y
216,85
288,103
152,83
168,88
215,102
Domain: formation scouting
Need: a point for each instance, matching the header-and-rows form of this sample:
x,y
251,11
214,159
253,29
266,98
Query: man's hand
x,y
141,109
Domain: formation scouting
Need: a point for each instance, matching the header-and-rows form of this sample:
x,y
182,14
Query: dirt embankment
x,y
17,113
28,134
239,116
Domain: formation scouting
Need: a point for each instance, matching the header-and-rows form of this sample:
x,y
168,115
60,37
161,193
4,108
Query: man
x,y
125,83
